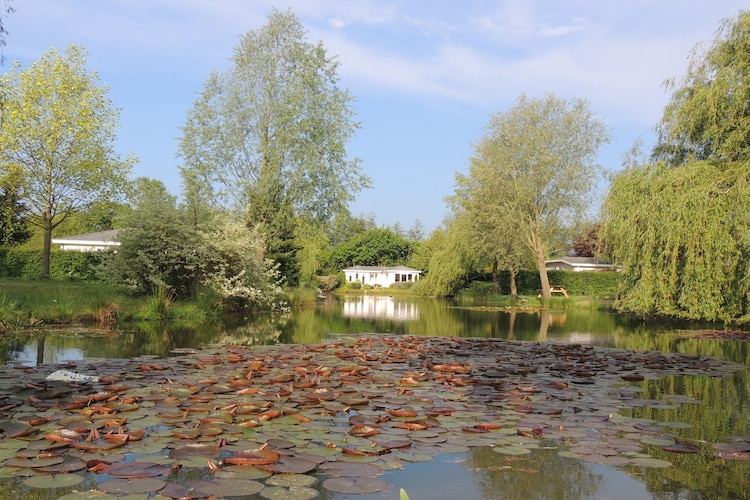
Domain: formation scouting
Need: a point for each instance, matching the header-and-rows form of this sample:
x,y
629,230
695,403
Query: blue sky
x,y
426,75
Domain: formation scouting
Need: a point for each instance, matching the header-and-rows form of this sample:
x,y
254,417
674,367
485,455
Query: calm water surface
x,y
481,473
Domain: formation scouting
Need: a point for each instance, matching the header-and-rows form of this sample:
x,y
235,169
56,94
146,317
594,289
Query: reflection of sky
x,y
379,307
52,354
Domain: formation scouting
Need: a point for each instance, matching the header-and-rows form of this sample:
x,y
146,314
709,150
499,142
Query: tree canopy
x,y
679,226
57,139
708,116
268,136
531,174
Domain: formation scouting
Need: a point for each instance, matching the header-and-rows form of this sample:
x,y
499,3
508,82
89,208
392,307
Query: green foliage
x,y
680,235
449,267
530,176
376,247
18,263
233,267
57,139
601,285
708,116
158,248
14,228
268,137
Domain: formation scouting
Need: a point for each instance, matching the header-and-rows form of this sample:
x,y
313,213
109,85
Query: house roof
x,y
381,269
580,261
103,237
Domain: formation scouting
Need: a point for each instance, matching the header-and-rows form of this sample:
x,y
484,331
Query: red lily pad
x,y
136,470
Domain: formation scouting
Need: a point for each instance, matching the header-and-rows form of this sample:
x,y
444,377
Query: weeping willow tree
x,y
681,237
680,227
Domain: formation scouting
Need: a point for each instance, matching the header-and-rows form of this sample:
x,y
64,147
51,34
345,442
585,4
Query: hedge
x,y
601,285
27,264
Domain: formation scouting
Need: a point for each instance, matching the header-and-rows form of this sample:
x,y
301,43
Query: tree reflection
x,y
546,475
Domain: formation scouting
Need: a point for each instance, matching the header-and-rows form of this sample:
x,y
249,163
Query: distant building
x,y
578,264
381,276
89,242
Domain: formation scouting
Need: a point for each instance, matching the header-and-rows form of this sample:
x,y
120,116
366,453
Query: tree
x,y
449,263
57,139
680,236
10,8
586,241
268,136
13,227
533,171
158,250
376,247
678,226
708,116
489,234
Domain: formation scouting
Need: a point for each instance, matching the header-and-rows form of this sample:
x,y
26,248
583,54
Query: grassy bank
x,y
27,304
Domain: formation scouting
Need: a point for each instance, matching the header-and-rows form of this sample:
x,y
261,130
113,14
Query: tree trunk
x,y
47,248
495,284
543,276
513,286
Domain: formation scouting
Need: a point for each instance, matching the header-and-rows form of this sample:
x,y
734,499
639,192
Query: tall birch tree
x,y
269,134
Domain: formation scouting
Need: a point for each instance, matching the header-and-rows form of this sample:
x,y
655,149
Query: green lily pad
x,y
132,486
293,493
53,481
357,486
291,480
222,487
653,463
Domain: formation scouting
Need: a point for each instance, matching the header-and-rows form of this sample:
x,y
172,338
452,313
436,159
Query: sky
x,y
426,76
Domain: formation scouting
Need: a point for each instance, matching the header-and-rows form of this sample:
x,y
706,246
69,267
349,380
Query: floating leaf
x,y
358,486
53,481
132,486
653,463
682,448
293,493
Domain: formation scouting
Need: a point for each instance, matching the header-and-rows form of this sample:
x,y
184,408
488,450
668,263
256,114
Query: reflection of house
x,y
381,276
577,264
89,242
379,307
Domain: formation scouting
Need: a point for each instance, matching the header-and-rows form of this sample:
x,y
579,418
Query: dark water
x,y
481,473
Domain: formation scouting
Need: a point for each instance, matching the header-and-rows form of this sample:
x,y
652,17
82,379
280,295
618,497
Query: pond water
x,y
723,410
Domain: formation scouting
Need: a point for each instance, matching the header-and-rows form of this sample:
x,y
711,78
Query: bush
x,y
27,264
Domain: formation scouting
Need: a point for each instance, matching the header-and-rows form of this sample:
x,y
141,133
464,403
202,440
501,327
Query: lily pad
x,y
652,463
53,481
293,493
511,450
132,486
357,486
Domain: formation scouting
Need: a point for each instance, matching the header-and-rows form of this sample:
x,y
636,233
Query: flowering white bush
x,y
234,268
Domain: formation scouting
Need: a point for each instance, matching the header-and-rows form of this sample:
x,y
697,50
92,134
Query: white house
x,y
89,242
381,276
578,264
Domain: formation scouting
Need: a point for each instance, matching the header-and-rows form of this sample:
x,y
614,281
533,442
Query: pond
x,y
694,410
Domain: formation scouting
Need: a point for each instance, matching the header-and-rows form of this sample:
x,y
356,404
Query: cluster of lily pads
x,y
288,421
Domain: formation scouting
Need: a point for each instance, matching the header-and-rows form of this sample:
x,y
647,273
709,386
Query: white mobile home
x,y
381,276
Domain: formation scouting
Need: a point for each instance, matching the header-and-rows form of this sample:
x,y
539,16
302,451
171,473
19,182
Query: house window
x,y
397,278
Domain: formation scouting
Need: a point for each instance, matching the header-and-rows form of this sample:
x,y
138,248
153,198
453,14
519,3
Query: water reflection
x,y
379,306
